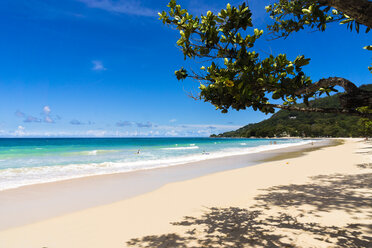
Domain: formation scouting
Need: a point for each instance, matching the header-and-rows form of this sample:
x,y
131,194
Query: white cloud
x,y
98,66
47,119
20,131
189,130
148,130
172,133
204,132
45,116
96,133
211,126
172,120
137,124
46,110
129,7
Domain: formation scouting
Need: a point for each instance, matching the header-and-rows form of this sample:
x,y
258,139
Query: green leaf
x,y
346,21
181,74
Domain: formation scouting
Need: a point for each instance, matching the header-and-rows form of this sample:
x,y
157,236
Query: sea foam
x,y
148,159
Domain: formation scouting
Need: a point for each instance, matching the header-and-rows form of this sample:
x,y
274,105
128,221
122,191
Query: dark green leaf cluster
x,y
365,127
299,124
295,15
365,124
369,48
235,75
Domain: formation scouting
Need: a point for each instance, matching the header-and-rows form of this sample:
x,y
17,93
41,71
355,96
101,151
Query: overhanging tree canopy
x,y
236,77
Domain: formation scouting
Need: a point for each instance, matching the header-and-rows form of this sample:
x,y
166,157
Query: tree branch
x,y
359,10
329,82
353,98
321,110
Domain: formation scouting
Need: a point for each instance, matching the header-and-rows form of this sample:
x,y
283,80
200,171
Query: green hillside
x,y
285,123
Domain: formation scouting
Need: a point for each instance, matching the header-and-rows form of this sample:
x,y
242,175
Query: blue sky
x,y
105,68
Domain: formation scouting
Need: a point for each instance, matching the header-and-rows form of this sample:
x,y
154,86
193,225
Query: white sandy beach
x,y
342,196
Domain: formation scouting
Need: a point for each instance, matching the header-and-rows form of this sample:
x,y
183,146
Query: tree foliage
x,y
292,16
365,124
235,76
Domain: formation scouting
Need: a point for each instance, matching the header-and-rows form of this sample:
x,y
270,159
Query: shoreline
x,y
154,164
46,200
338,199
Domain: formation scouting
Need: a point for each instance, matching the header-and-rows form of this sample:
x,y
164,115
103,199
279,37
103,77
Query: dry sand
x,y
268,205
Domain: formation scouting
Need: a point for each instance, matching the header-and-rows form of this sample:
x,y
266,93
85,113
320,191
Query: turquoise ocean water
x,y
30,161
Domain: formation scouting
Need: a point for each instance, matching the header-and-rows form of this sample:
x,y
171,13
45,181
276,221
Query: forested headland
x,y
286,123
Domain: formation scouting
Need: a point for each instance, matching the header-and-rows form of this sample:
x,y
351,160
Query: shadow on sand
x,y
350,193
365,166
238,227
